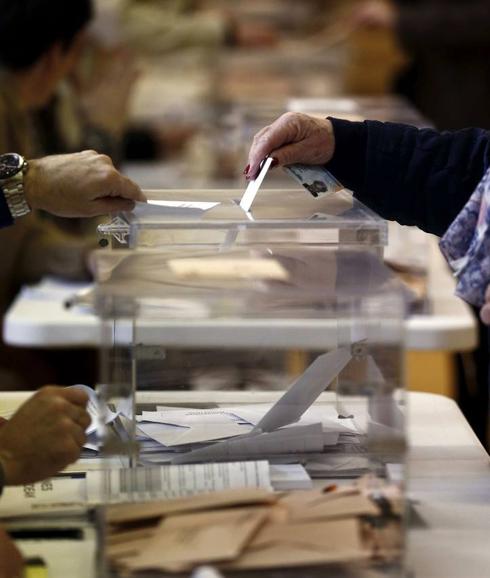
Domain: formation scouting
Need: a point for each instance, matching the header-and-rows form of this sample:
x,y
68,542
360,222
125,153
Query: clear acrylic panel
x,y
212,218
287,354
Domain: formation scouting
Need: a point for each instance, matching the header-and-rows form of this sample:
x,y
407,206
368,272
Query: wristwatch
x,y
12,170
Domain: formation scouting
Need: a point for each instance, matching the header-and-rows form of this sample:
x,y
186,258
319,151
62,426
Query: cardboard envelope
x,y
182,542
128,544
286,545
137,512
331,506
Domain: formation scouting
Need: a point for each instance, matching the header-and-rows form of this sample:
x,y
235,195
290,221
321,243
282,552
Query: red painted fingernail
x,y
245,172
274,162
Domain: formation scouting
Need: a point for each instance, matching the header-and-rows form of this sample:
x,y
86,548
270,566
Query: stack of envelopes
x,y
254,529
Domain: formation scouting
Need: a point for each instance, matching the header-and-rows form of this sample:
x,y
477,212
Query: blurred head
x,y
40,40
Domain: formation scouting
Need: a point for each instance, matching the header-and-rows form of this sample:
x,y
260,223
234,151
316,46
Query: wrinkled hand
x,y
11,563
82,184
374,14
292,138
44,435
485,310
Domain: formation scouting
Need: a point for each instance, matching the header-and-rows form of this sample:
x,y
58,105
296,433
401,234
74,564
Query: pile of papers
x,y
291,426
254,529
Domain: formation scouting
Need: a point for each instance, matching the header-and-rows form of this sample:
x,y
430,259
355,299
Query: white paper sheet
x,y
163,433
254,186
73,492
93,409
293,440
55,494
285,477
175,481
305,390
201,206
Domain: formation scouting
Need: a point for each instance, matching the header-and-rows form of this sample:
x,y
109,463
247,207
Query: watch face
x,y
10,165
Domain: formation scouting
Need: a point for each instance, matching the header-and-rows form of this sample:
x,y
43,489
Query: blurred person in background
x,y
448,45
40,44
447,78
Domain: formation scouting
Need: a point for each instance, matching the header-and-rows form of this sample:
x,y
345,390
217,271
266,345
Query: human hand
x,y
11,562
485,310
374,14
44,435
82,184
292,138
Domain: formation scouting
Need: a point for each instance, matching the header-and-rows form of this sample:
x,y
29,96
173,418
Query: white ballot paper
x,y
167,209
94,410
291,440
302,394
253,431
254,186
183,205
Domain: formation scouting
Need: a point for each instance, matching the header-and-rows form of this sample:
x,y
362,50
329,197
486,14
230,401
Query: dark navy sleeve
x,y
416,177
5,216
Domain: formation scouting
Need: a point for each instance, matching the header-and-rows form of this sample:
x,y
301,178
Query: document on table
x,y
71,492
63,493
174,481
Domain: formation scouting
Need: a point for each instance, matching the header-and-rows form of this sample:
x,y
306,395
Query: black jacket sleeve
x,y
5,216
416,177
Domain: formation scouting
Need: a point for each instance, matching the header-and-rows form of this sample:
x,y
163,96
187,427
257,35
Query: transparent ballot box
x,y
213,219
252,370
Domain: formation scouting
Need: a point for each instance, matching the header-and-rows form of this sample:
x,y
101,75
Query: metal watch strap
x,y
13,191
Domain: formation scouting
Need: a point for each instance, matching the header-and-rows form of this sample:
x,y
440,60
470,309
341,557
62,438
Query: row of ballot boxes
x,y
268,343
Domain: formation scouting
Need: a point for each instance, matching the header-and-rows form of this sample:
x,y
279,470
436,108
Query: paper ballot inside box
x,y
291,425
